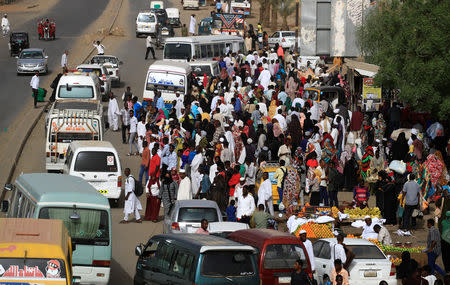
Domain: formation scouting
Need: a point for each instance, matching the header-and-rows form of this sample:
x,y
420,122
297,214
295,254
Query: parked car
x,y
369,267
195,259
103,76
18,42
285,39
277,253
31,60
112,64
173,15
186,215
146,23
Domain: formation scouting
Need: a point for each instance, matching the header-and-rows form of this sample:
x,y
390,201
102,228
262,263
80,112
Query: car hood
x,y
30,61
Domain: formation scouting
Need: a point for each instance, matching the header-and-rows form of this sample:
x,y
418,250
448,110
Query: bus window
x,y
177,51
204,54
209,51
217,51
241,47
197,51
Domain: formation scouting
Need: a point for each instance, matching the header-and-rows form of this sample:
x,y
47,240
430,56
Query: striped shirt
x,y
433,235
125,116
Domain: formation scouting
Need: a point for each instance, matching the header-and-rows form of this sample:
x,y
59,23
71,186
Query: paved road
x,y
72,17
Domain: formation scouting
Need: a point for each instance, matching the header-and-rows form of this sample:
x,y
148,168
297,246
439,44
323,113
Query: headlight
x,y
41,64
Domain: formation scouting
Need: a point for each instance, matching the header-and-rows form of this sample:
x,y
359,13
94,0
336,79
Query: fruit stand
x,y
396,252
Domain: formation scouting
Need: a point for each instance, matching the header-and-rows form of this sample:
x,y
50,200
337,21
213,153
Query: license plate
x,y
103,191
284,279
370,274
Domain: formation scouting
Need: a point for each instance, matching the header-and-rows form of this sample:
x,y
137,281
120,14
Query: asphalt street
x,y
72,17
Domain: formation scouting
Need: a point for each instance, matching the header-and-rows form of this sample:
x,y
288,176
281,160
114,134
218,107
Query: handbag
x,y
400,211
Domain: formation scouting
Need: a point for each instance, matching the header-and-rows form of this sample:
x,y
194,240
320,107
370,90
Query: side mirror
x,y
110,73
46,56
76,280
8,187
5,206
138,250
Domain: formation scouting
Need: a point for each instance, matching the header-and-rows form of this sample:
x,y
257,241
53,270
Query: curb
x,y
36,120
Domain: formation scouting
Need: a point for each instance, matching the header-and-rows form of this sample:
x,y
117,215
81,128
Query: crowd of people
x,y
212,143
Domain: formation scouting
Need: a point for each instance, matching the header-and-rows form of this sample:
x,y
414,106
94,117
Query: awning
x,y
364,72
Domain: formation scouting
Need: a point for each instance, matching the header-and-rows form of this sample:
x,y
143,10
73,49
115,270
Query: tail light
x,y
175,226
104,77
117,72
393,270
101,263
119,181
48,154
283,40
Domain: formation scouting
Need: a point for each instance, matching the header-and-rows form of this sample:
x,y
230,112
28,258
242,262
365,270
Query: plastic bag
x,y
432,130
398,166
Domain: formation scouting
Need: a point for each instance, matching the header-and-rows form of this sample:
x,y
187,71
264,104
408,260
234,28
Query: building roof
x,y
60,188
362,68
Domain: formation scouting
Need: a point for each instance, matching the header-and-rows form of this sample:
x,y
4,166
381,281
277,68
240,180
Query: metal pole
x,y
297,4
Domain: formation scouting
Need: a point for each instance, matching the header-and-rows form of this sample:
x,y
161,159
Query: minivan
x,y
98,163
146,23
79,85
277,253
195,259
85,213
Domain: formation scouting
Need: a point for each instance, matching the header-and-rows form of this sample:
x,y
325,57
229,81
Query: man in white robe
x,y
113,113
132,204
368,231
309,249
264,78
184,190
195,174
141,130
192,25
265,195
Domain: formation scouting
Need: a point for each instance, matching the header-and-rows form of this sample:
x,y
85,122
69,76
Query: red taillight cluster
x,y
393,270
119,181
102,263
283,40
175,226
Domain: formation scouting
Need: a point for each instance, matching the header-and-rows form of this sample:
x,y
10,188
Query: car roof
x,y
258,237
175,66
80,77
349,241
89,65
196,203
33,49
91,144
51,187
203,243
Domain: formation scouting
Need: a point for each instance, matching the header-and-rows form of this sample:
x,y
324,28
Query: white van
x,y
190,4
168,77
103,75
146,23
79,85
202,67
98,163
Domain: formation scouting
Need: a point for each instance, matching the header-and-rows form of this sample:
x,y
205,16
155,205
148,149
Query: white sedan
x,y
286,39
370,265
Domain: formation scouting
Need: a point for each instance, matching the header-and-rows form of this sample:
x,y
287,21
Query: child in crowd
x,y
231,212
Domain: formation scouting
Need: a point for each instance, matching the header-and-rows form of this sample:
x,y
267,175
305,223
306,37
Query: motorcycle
x,y
46,29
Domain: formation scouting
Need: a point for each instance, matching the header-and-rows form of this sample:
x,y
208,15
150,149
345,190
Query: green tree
x,y
410,41
286,9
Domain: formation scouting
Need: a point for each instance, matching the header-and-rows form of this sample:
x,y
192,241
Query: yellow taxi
x,y
34,251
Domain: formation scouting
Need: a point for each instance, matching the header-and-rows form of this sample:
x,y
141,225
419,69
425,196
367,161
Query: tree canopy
x,y
410,41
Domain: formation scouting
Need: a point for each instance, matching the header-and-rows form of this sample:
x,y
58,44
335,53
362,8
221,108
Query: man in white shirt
x,y
337,250
34,83
64,60
100,48
250,174
368,231
309,249
264,78
149,45
172,158
265,195
184,190
141,130
281,120
238,190
245,206
384,237
132,134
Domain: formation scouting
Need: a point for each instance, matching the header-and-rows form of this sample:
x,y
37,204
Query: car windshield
x,y
31,55
95,161
19,37
228,263
366,251
288,34
200,70
146,18
76,91
38,269
104,59
283,256
85,226
96,71
195,215
177,51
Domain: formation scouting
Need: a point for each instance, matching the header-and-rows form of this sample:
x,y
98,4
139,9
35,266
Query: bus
x,y
169,78
202,47
84,211
37,252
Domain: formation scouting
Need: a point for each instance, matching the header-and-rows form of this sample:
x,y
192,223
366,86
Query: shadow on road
x,y
118,275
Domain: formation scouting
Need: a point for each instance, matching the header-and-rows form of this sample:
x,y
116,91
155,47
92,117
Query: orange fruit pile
x,y
314,230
